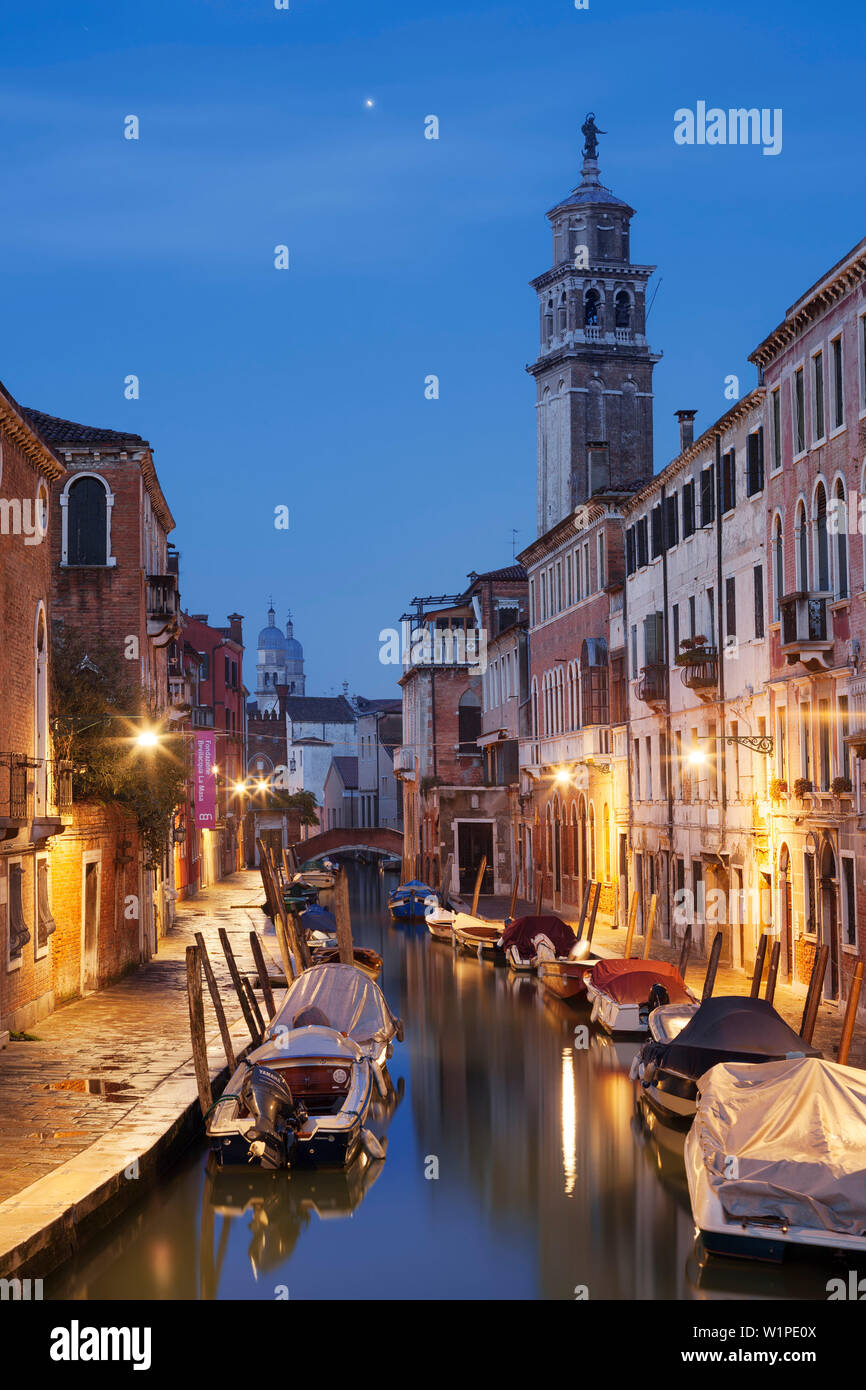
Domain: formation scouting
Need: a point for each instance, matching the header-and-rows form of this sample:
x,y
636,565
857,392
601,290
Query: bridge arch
x,y
377,840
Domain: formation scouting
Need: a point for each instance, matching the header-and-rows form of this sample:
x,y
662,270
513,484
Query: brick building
x,y
446,807
221,706
35,791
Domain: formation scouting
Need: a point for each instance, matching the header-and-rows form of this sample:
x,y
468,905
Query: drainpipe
x,y
628,742
720,603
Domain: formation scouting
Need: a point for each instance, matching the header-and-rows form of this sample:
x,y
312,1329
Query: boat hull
x,y
565,979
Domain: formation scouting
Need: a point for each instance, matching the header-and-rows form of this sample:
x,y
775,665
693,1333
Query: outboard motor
x,y
658,996
270,1102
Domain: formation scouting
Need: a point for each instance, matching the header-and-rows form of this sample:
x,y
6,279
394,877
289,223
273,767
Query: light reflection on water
x,y
548,1178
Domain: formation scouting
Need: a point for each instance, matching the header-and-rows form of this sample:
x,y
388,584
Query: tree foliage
x,y
97,706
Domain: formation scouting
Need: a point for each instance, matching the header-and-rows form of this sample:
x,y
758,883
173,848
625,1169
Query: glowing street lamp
x,y
147,739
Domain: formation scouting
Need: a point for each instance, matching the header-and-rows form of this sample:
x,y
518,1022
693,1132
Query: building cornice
x,y
28,441
826,292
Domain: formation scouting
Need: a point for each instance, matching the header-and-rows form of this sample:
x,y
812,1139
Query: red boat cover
x,y
525,931
630,981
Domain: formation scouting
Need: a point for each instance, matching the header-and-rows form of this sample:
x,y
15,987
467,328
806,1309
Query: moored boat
x,y
684,1044
623,993
527,939
476,936
302,1096
777,1157
439,918
406,903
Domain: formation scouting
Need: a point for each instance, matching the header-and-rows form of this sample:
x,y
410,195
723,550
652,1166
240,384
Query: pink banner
x,y
204,781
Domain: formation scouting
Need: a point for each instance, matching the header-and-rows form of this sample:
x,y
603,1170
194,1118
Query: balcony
x,y
652,685
700,671
854,735
34,792
162,616
202,717
404,764
807,630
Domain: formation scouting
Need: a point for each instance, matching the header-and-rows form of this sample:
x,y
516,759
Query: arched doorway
x,y
830,920
785,913
582,847
557,848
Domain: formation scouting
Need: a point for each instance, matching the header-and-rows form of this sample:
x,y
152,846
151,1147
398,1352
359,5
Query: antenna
x,y
653,300
514,534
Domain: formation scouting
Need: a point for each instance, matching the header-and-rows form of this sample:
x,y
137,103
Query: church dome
x,y
271,638
294,650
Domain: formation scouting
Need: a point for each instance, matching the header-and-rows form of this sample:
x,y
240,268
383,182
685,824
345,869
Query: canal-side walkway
x,y
788,1001
95,1109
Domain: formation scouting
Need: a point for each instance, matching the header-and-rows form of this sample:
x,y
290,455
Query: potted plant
x,y
778,788
841,786
802,785
693,651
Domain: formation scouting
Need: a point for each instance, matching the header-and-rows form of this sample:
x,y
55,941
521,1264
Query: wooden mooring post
x,y
647,941
343,917
632,919
262,971
686,952
592,912
759,967
773,973
217,1002
582,918
813,996
712,966
479,880
196,1028
247,1012
850,1013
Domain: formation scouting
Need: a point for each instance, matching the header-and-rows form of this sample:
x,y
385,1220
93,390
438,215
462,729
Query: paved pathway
x,y
788,1001
99,1057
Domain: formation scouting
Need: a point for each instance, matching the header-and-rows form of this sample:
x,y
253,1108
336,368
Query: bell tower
x,y
594,368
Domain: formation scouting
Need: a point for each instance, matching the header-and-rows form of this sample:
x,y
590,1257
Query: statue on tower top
x,y
590,132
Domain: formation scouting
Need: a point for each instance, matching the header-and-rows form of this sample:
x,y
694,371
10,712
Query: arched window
x,y
575,867
605,841
592,840
535,707
622,310
778,567
563,315
87,522
591,309
594,681
802,540
468,722
822,545
841,541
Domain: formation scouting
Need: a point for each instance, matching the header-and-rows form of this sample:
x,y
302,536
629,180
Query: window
x,y
657,540
838,405
532,602
729,480
663,765
591,308
776,417
692,628
87,522
671,522
802,541
634,652
734,729
587,583
809,894
758,591
593,682
799,411
849,902
730,606
45,923
617,688
558,587
601,560
688,509
622,310
648,743
636,764
228,671
863,362
778,568
841,541
676,624
818,395
708,501
781,744
755,462
844,750
822,545
468,722
824,744
806,740
642,553
654,639
630,552
711,617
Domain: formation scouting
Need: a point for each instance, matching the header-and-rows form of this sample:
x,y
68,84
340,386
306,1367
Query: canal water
x,y
517,1167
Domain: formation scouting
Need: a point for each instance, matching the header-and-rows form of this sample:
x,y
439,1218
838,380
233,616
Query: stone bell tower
x,y
594,368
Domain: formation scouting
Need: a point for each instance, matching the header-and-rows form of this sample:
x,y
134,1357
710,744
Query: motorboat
x,y
302,1097
623,993
566,976
524,938
439,918
684,1044
777,1157
315,878
319,924
477,936
406,903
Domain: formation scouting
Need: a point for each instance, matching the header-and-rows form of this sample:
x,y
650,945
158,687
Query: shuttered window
x,y
688,509
758,574
730,606
708,501
657,539
642,555
729,480
630,564
654,639
86,524
755,462
19,933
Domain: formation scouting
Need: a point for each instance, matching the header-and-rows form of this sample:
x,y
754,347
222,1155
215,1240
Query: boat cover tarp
x,y
413,889
525,932
797,1130
350,1000
630,981
315,918
728,1029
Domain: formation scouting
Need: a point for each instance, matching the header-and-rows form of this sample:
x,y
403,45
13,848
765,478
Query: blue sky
x,y
305,388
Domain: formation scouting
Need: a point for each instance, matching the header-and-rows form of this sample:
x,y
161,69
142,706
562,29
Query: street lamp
x,y
757,743
147,739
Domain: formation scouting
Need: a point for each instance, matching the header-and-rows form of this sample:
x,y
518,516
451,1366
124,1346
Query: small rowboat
x,y
314,878
567,978
406,903
439,919
477,936
368,961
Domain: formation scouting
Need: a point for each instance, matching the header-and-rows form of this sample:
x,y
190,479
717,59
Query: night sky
x,y
305,388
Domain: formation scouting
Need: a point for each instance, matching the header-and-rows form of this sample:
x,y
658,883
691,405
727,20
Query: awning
x,y
498,736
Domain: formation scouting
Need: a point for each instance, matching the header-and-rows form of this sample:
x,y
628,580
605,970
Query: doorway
x,y
90,894
830,922
785,913
474,843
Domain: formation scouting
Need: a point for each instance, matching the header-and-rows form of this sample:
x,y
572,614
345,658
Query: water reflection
x,y
550,1175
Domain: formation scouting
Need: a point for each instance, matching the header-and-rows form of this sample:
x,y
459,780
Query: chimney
x,y
236,628
282,694
687,428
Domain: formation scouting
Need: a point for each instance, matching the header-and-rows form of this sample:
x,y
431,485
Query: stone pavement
x,y
789,1001
98,1059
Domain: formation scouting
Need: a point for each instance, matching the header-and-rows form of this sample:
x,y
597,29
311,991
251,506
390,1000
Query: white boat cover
x,y
784,1143
350,1001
